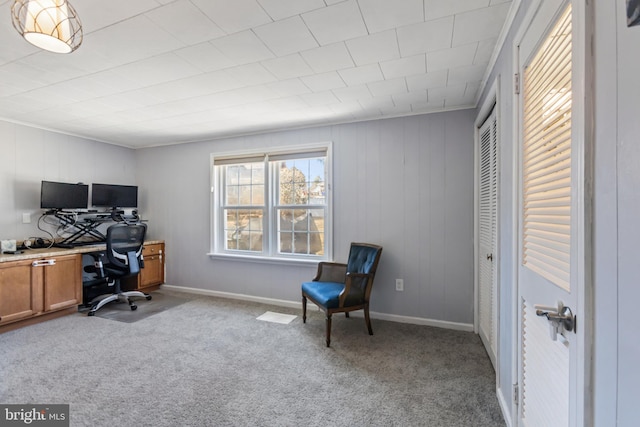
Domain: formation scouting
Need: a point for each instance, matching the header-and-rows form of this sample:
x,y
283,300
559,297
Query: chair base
x,y
329,313
99,302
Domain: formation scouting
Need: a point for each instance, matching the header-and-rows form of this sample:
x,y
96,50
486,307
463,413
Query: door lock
x,y
559,319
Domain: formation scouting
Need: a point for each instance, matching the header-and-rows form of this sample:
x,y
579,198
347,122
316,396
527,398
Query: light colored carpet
x,y
210,362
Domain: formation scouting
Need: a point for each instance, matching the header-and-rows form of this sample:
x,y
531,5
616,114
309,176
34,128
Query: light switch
x,y
26,218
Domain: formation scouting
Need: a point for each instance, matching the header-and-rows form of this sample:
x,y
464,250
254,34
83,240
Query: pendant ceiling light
x,y
51,25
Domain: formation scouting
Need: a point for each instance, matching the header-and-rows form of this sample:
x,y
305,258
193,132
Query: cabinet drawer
x,y
153,249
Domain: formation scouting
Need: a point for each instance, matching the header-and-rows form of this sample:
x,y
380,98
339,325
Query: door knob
x,y
560,318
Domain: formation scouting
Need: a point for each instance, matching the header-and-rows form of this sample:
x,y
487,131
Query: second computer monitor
x,y
114,196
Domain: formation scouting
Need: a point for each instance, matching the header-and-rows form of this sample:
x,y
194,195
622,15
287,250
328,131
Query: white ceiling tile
x,y
336,23
233,16
380,15
199,85
410,98
438,93
388,87
289,87
127,41
464,101
396,110
161,68
484,52
425,36
479,24
352,93
425,106
288,67
241,96
320,98
185,22
205,56
434,9
23,77
288,36
280,9
243,48
115,82
472,90
376,103
13,45
403,67
471,73
425,81
328,58
250,74
451,58
377,47
323,81
96,14
361,75
288,105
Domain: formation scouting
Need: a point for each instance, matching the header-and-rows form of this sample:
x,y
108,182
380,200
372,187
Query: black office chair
x,y
124,256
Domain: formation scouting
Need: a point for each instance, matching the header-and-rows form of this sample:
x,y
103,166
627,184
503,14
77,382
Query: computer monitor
x,y
114,196
62,195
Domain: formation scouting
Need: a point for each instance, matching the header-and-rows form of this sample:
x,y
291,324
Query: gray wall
x,y
617,207
31,155
404,183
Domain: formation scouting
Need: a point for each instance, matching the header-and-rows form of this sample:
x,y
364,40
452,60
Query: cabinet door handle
x,y
43,263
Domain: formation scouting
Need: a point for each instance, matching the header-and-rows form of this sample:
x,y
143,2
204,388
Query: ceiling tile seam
x,y
265,11
364,21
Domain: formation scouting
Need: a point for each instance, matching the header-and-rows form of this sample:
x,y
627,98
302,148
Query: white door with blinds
x,y
487,239
551,267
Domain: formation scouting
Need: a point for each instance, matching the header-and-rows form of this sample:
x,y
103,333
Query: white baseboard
x,y
467,327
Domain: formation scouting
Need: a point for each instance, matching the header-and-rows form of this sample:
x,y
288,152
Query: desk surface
x,y
52,252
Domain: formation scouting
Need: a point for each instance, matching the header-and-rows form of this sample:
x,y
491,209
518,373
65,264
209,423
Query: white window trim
x,y
216,249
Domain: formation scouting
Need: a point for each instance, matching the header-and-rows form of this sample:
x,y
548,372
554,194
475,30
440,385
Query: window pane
x,y
244,184
301,180
244,229
301,231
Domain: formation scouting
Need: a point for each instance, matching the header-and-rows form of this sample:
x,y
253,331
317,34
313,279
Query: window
x,y
274,205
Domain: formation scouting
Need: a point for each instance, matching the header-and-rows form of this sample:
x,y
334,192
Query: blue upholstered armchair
x,y
341,288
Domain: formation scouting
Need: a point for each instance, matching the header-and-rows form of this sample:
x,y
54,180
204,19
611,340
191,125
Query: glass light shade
x,y
51,25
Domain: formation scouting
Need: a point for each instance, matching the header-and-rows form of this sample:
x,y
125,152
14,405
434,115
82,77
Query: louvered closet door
x,y
487,226
551,238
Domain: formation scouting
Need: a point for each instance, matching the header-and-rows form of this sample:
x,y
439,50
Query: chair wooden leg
x,y
368,319
328,329
304,309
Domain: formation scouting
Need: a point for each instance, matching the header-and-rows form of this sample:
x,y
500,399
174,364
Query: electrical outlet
x,y
399,285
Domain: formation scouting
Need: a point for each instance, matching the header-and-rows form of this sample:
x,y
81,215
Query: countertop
x,y
28,254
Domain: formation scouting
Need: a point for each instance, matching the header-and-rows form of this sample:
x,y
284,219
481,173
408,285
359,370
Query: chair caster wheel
x,y
134,307
91,313
148,297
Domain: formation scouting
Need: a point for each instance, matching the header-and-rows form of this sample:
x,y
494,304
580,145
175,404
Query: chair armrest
x,y
331,272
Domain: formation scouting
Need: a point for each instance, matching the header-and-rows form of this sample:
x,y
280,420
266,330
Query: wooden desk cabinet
x,y
36,289
152,275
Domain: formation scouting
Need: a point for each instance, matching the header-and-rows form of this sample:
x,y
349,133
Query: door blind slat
x,y
546,157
